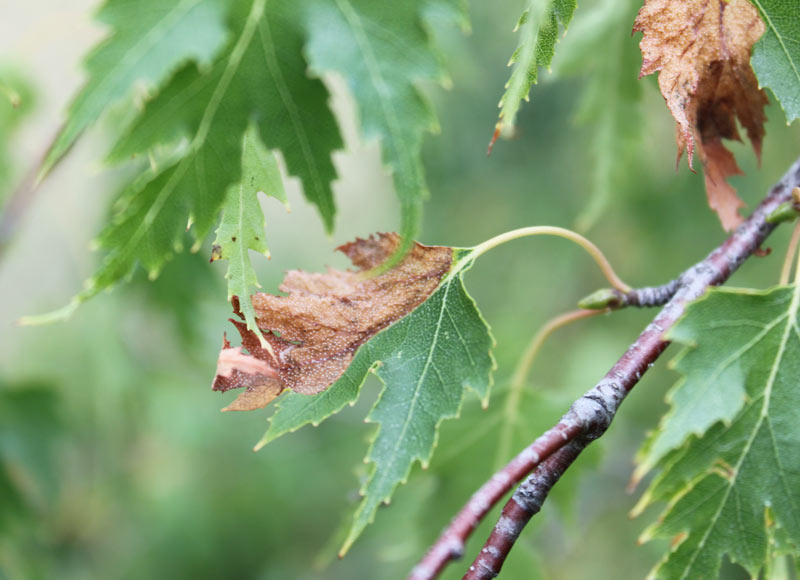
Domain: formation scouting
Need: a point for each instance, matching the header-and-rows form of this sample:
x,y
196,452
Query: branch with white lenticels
x,y
588,418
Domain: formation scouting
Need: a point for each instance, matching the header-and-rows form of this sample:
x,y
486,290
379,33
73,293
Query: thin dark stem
x,y
589,417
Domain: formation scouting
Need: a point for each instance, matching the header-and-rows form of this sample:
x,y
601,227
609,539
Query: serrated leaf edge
x,y
791,325
463,265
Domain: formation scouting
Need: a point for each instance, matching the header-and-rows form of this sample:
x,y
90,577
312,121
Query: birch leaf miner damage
x,y
316,329
701,49
413,325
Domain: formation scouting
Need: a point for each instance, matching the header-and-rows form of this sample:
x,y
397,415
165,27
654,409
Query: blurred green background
x,y
114,459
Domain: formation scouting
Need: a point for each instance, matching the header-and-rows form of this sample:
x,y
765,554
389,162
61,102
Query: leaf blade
x,y
147,44
539,29
776,55
242,224
435,396
716,484
201,117
382,55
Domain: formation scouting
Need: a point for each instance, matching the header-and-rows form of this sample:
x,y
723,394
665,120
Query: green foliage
x,y
776,56
232,93
732,486
383,54
148,42
426,360
242,225
16,103
192,126
29,425
214,109
538,29
600,45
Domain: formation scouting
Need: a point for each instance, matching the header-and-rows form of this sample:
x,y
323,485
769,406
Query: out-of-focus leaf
x,y
149,40
776,56
702,52
735,482
601,46
538,29
179,294
383,52
28,428
16,103
425,358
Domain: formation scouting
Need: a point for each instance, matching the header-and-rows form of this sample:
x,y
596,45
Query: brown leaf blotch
x,y
256,396
316,329
702,50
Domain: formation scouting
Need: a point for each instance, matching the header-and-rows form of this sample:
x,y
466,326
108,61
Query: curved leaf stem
x,y
591,249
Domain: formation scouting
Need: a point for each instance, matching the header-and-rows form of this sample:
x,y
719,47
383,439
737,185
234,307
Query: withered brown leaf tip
x,y
702,50
316,329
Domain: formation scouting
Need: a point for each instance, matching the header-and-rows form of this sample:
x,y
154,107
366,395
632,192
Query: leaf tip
x,y
498,126
260,445
60,315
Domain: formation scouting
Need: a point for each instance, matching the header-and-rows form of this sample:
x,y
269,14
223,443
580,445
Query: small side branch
x,y
647,297
589,417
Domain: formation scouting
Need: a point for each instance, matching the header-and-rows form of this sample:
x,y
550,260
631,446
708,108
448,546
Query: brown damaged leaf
x,y
702,50
316,329
236,370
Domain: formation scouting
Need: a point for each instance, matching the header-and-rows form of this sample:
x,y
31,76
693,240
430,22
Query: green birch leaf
x,y
776,55
426,359
538,29
242,226
149,40
733,486
383,53
261,78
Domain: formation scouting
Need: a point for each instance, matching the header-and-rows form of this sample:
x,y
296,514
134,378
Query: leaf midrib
x,y
418,387
320,194
792,311
774,30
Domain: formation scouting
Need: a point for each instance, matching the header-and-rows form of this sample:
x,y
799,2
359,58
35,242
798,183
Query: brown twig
x,y
523,505
589,416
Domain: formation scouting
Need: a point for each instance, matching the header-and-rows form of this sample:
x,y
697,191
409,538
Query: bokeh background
x,y
115,461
